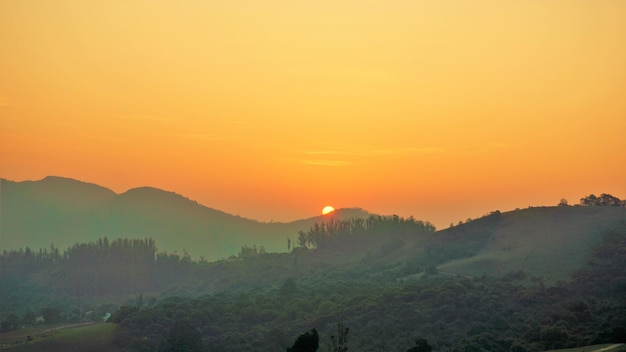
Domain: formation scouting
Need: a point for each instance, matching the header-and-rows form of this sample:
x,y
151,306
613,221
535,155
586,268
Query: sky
x,y
444,110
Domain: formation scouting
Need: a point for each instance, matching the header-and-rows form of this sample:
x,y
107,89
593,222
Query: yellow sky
x,y
272,109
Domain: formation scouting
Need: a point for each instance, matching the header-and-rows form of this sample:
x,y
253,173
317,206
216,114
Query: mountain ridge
x,y
63,211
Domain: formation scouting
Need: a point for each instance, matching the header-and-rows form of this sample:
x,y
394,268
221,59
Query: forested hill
x,y
64,211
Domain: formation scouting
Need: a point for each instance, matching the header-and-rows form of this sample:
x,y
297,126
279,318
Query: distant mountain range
x,y
63,211
548,242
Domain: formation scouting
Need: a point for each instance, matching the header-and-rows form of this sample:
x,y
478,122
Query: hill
x,y
64,211
550,243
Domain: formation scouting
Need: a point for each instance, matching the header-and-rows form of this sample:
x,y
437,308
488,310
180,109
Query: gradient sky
x,y
442,110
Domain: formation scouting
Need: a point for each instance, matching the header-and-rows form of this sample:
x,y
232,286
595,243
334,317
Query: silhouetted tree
x,y
308,342
340,342
302,239
605,200
421,345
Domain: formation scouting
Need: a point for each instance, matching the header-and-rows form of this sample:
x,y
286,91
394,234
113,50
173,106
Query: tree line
x,y
333,232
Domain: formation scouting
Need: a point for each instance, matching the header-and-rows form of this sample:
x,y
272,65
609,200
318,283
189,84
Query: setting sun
x,y
327,210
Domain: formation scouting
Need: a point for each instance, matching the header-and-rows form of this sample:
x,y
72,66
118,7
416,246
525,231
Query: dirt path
x,y
453,274
68,326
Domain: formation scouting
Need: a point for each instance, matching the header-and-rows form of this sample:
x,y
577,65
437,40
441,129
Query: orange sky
x,y
272,109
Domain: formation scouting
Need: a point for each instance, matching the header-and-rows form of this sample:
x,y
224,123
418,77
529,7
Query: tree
x,y
605,200
340,343
51,315
302,239
289,288
29,318
183,337
9,323
563,202
307,342
421,345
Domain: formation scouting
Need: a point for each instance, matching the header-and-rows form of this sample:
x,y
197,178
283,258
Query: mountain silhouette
x,y
63,211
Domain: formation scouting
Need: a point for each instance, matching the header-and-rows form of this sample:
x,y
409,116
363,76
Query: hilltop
x,y
545,242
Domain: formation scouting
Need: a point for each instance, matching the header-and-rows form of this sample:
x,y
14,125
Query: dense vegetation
x,y
451,313
377,276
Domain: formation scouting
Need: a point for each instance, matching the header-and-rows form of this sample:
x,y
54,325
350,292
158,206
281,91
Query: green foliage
x,y
9,323
182,337
307,342
51,315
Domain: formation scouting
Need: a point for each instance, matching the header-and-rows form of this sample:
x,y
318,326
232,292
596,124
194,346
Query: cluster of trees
x,y
329,234
604,200
32,281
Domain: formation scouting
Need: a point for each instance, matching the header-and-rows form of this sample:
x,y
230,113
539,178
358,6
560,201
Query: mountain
x,y
62,211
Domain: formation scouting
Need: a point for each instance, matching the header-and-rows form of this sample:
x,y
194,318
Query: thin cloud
x,y
324,152
404,151
333,163
148,118
203,137
487,148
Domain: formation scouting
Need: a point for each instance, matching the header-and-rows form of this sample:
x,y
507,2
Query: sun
x,y
327,210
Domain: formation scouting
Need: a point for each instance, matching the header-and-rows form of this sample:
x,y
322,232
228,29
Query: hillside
x,y
550,243
64,211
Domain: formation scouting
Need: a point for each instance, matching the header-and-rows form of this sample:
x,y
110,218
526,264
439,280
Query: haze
x,y
272,110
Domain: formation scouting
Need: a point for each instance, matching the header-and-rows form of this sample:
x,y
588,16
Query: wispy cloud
x,y
485,148
209,137
410,150
146,118
344,157
324,152
334,163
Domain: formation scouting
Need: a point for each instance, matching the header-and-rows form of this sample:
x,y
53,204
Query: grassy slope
x,y
96,338
547,242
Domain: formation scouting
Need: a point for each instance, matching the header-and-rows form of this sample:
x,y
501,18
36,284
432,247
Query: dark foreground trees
x,y
307,342
421,345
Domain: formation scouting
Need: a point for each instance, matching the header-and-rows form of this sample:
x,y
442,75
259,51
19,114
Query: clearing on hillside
x,y
79,337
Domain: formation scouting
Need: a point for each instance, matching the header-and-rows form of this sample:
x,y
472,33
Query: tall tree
x,y
340,342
